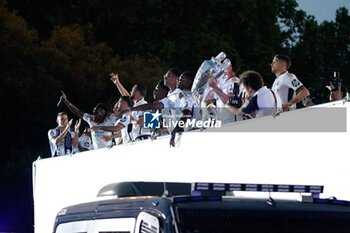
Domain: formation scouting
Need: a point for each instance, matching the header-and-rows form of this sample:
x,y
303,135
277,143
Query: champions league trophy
x,y
213,67
209,68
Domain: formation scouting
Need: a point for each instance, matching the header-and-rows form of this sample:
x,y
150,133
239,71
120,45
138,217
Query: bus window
x,y
147,223
113,225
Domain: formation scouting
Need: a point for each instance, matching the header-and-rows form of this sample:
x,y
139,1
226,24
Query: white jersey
x,y
189,102
285,86
96,136
263,103
178,101
227,87
172,106
126,131
85,142
173,99
60,149
135,115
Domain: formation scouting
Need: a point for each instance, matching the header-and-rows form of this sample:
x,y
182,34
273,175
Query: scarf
x,y
67,142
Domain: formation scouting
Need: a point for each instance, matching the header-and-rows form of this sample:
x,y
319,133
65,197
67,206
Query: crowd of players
x,y
226,99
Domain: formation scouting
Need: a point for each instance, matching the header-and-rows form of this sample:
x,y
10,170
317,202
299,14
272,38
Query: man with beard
x,y
286,84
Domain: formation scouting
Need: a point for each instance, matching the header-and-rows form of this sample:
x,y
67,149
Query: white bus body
x,y
308,146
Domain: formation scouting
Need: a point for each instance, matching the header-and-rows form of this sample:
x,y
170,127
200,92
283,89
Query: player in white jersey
x,y
176,101
99,117
262,102
222,89
171,108
62,140
182,101
137,94
188,104
169,104
85,142
160,92
97,135
122,125
286,84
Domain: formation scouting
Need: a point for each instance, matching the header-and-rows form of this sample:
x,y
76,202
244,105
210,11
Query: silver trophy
x,y
214,67
209,68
